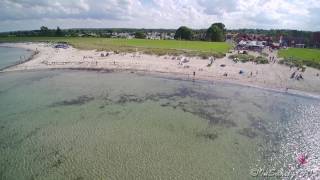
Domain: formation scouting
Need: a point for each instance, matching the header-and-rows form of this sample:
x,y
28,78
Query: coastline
x,y
29,58
49,58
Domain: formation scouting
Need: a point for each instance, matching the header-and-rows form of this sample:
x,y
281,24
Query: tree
x,y
44,31
221,26
184,33
216,32
59,32
139,35
44,28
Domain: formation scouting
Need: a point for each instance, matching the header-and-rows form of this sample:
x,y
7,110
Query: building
x,y
231,36
251,45
153,36
168,36
266,40
159,36
122,35
297,42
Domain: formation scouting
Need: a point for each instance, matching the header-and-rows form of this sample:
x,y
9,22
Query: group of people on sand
x,y
183,61
272,59
296,75
56,63
104,55
87,57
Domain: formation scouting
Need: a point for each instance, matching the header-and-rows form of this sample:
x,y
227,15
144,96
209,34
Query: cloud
x,y
29,9
30,14
218,7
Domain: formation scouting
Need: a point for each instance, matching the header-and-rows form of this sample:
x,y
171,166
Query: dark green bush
x,y
242,57
261,60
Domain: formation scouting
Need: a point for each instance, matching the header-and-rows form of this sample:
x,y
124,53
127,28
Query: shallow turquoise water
x,y
10,56
94,125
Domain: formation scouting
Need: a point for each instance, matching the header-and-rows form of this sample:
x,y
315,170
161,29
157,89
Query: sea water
x,y
10,56
95,125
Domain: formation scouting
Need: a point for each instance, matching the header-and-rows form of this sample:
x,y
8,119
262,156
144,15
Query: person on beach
x,y
210,61
300,77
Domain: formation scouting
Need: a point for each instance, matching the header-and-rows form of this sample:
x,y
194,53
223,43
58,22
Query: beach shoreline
x,y
274,77
29,58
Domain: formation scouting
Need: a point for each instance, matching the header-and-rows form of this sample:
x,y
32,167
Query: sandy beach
x,y
270,76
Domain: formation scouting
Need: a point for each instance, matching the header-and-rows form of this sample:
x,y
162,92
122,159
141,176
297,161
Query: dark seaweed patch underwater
x,y
91,125
78,101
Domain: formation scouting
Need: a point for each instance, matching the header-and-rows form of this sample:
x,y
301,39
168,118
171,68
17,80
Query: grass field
x,y
298,56
159,47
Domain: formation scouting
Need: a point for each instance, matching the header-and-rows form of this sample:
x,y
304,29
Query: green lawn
x,y
157,46
299,53
299,56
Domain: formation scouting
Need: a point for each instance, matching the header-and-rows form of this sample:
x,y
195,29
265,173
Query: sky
x,y
196,14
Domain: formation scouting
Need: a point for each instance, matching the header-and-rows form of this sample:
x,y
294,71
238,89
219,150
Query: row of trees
x,y
216,32
45,31
97,32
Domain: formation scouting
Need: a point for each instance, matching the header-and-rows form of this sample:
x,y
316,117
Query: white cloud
x,y
30,14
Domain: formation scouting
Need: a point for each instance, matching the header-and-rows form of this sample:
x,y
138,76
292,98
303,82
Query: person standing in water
x,y
194,75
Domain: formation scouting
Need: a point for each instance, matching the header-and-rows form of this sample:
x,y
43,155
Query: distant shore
x,y
267,76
